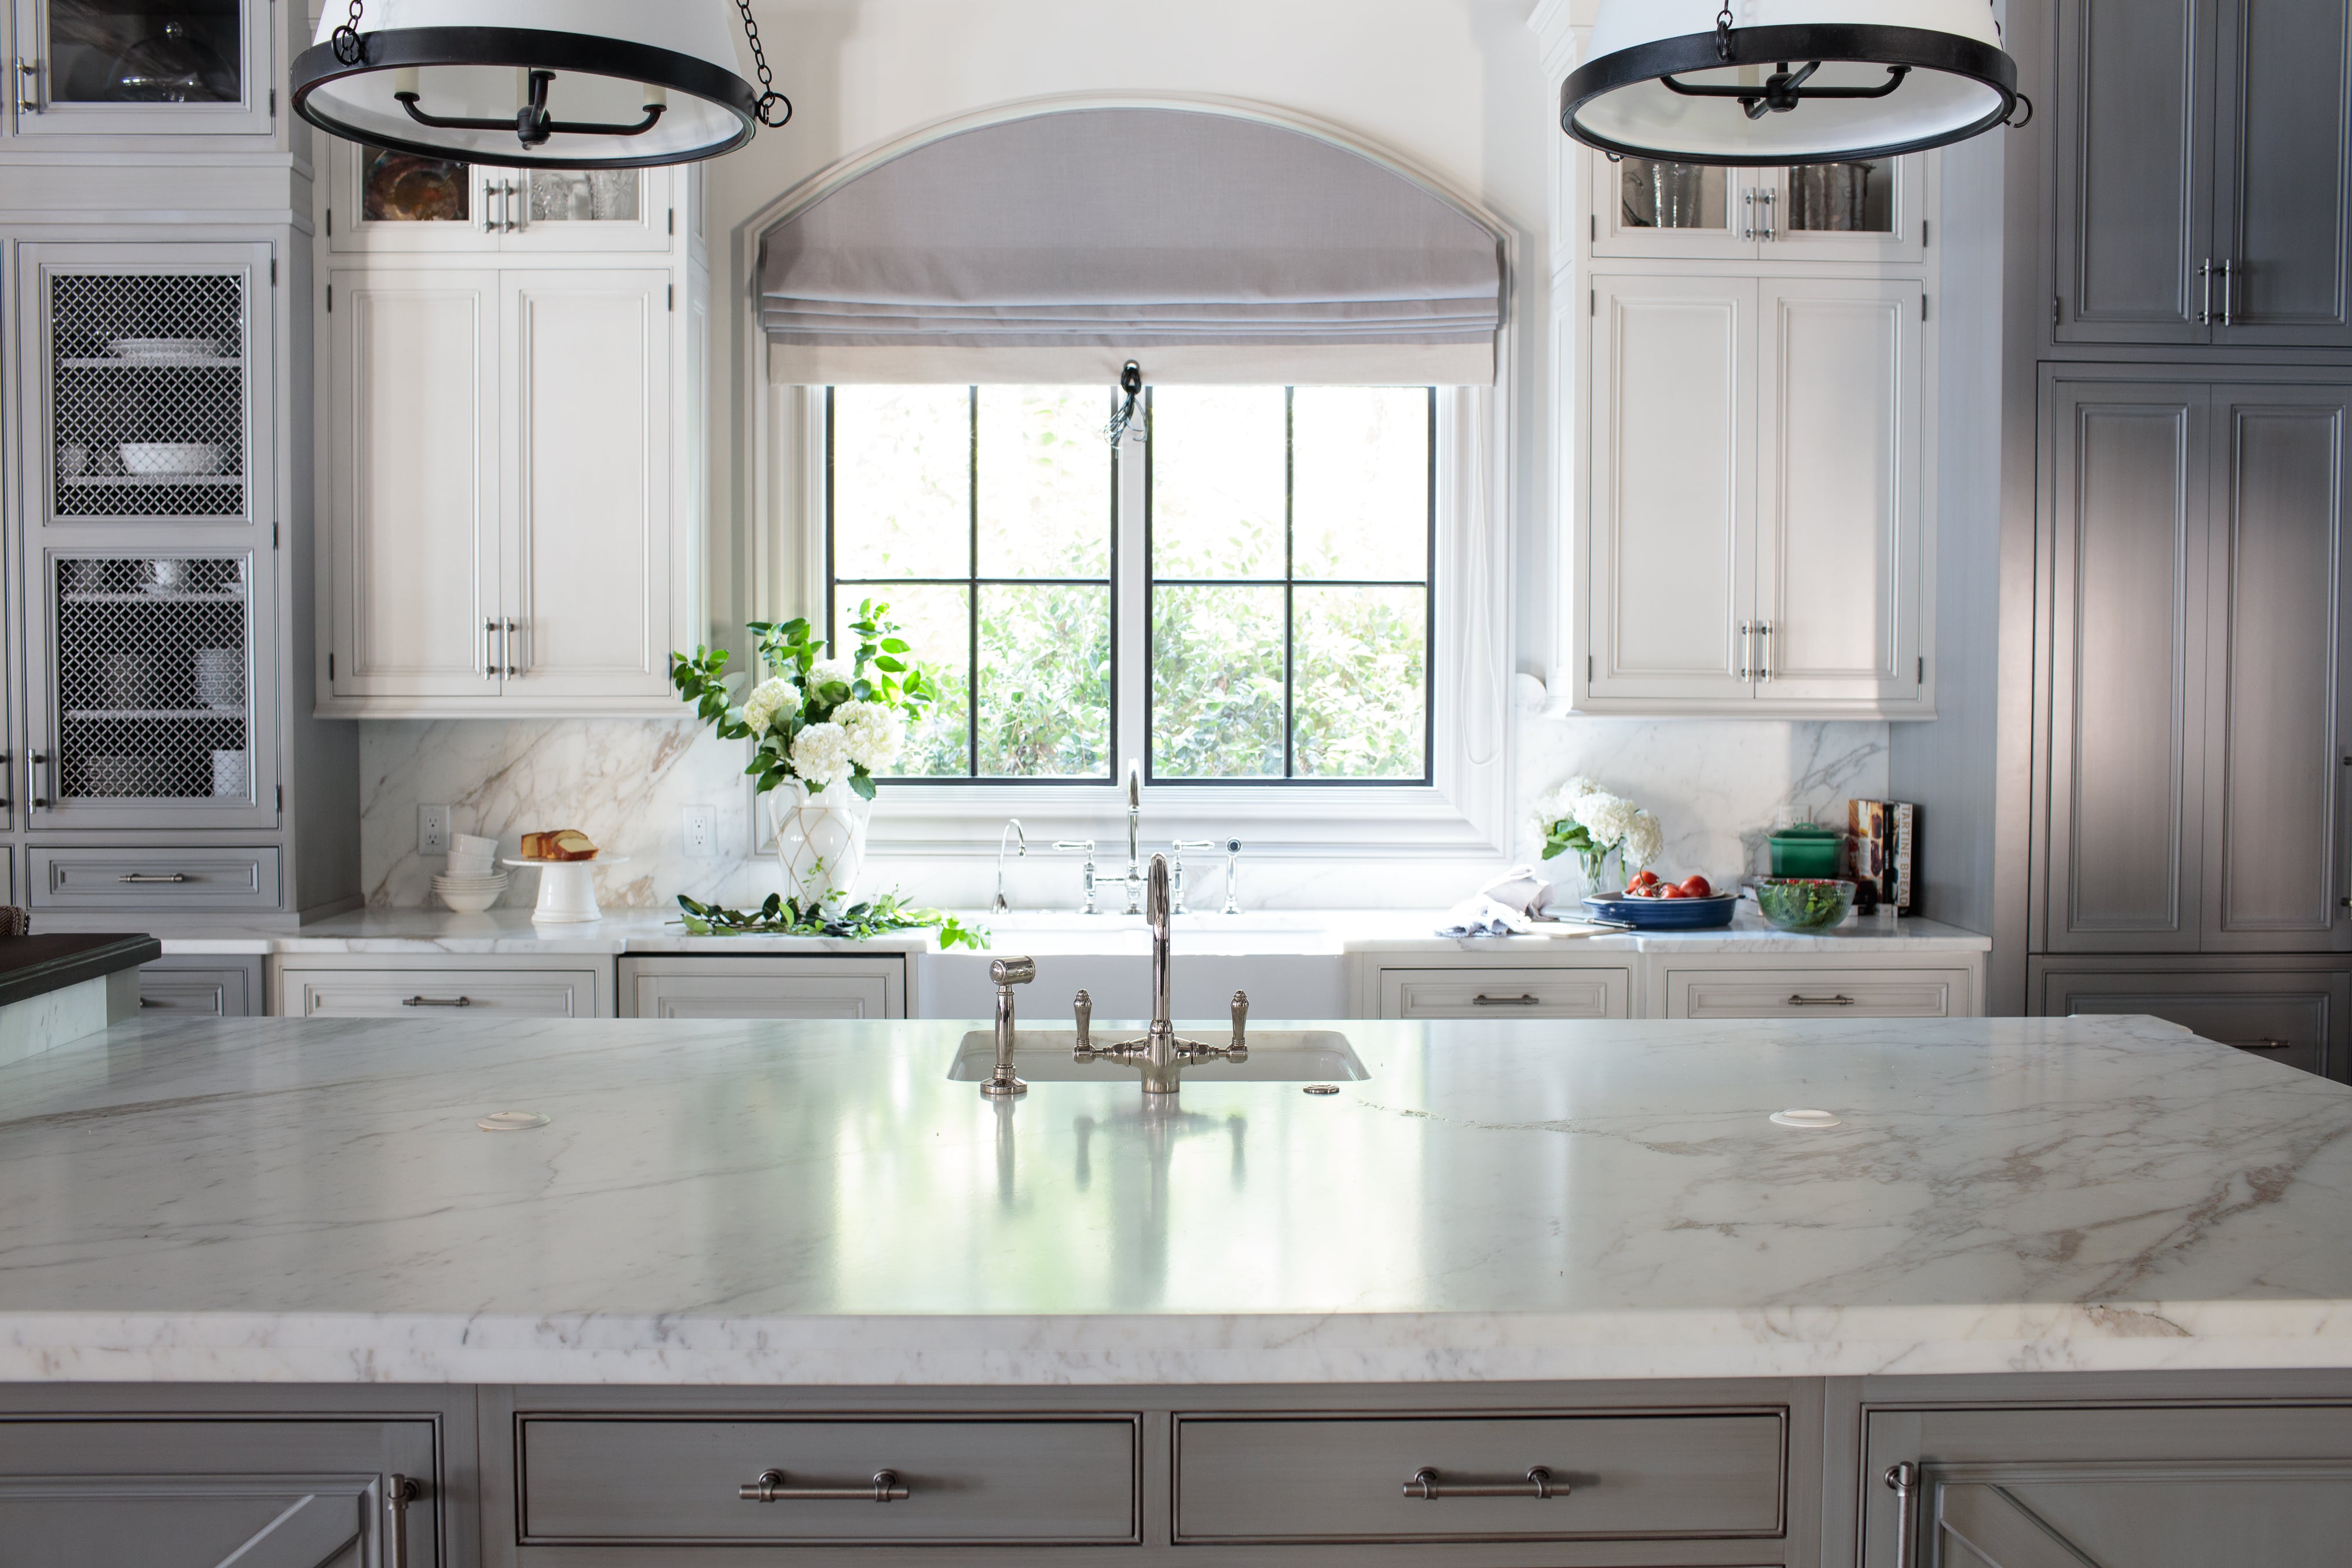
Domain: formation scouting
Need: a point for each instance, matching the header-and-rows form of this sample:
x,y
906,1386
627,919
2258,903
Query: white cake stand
x,y
567,889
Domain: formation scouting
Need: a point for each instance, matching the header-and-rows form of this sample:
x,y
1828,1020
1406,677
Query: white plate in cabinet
x,y
1820,993
847,988
1504,993
439,991
1361,1478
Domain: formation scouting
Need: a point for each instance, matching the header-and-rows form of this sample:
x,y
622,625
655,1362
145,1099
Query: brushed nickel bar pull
x,y
2229,294
1482,1000
490,650
438,1002
399,1491
1747,203
1426,1487
2205,311
28,86
152,877
1771,214
886,1487
1799,1000
1903,1479
2262,1044
1747,642
34,763
1764,651
505,643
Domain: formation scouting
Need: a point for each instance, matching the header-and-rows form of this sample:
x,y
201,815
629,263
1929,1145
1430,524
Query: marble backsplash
x,y
1716,785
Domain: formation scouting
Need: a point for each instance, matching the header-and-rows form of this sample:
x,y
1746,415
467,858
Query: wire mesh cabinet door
x,y
142,363
150,707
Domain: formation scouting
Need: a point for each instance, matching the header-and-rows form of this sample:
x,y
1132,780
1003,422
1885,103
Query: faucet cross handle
x,y
1085,847
1083,1010
1241,1021
1176,869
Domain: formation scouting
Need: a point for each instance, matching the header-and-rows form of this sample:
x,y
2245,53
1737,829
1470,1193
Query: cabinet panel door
x,y
587,356
2135,170
1674,487
2147,1488
2286,173
2275,835
1839,490
1528,993
425,993
2125,688
771,988
414,489
2299,1017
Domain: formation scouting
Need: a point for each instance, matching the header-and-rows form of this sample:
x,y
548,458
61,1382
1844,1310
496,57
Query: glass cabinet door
x,y
1646,206
398,202
581,209
1865,210
110,68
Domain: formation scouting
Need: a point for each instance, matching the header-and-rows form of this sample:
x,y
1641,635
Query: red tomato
x,y
1644,880
1698,887
1668,890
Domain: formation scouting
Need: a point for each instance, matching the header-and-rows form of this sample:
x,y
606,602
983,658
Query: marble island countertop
x,y
818,1203
1271,933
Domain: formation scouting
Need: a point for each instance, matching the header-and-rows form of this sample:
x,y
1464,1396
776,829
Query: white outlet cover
x,y
432,830
701,830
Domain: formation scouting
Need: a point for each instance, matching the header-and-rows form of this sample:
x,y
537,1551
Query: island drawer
x,y
1529,992
966,1481
1818,994
1305,1479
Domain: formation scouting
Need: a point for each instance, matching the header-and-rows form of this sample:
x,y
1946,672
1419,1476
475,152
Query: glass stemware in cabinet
x,y
1654,195
143,51
585,196
153,686
1842,198
147,396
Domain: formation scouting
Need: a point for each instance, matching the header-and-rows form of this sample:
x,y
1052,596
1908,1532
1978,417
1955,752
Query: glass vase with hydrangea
x,y
822,728
1599,826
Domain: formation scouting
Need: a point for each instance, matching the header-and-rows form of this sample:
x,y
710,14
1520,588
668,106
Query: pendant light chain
x,y
1722,30
349,45
768,96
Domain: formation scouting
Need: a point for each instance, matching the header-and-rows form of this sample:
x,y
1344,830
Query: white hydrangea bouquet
x,y
1581,815
821,730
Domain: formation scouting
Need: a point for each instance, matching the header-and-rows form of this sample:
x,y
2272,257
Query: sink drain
x,y
1810,1118
512,1121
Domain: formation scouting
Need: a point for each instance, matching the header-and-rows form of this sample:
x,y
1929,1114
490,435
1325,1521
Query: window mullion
x,y
1132,594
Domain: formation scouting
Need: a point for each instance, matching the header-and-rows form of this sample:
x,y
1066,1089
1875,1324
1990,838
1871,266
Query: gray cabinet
x,y
799,988
201,986
2199,676
2150,1487
201,1493
2204,174
2297,1012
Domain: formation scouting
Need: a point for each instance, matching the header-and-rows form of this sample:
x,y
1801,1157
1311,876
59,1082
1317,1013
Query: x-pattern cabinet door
x,y
2113,1487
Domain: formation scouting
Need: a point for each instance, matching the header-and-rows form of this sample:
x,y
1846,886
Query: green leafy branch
x,y
780,916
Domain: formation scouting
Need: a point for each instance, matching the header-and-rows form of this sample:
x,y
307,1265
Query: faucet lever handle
x,y
1241,1024
1083,1009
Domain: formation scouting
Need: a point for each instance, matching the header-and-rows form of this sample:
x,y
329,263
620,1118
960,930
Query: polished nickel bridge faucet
x,y
1161,1053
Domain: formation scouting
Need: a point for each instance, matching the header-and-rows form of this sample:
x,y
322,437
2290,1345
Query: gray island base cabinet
x,y
2045,1470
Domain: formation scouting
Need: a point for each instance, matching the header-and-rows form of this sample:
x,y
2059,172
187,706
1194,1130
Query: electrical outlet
x,y
432,830
701,831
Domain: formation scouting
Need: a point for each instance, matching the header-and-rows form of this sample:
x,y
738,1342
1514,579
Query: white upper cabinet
x,y
1746,357
399,204
1673,488
1869,210
506,522
133,68
1755,536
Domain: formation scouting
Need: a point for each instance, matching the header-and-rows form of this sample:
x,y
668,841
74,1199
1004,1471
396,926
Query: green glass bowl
x,y
1804,903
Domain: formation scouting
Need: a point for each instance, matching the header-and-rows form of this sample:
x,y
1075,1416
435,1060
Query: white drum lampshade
x,y
545,84
1787,82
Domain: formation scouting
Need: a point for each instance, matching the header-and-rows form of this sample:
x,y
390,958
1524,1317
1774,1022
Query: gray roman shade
x,y
1209,246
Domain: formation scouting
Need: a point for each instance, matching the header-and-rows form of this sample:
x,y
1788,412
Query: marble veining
x,y
817,1204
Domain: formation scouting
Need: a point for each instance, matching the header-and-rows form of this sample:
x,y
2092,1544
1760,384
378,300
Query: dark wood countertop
x,y
35,965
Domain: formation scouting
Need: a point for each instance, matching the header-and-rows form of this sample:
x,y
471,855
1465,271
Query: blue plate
x,y
1667,914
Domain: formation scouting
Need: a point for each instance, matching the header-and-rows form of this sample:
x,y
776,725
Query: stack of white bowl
x,y
473,882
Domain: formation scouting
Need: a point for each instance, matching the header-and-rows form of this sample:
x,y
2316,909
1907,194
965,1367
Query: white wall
x,y
1455,85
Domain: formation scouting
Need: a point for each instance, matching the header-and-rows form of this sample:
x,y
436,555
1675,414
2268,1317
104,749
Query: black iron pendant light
x,y
1789,81
543,84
